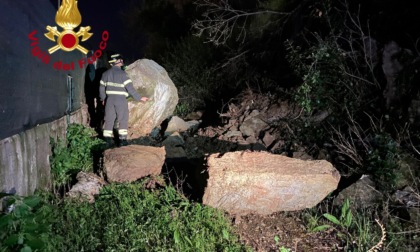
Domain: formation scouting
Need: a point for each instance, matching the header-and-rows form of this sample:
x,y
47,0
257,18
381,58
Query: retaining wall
x,y
24,157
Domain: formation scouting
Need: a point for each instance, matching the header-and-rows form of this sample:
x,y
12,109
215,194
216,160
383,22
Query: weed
x,y
356,230
182,109
25,226
73,154
382,161
282,248
128,217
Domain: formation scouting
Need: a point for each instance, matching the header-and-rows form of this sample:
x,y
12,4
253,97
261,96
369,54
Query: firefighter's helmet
x,y
115,58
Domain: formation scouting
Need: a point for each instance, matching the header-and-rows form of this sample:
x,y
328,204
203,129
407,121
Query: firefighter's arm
x,y
102,94
128,84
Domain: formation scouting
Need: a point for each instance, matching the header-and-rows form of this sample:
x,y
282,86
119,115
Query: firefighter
x,y
115,87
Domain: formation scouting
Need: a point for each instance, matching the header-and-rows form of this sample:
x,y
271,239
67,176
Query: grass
x,y
124,217
369,229
129,217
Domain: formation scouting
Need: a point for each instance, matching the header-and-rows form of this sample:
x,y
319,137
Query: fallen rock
x,y
268,139
151,80
88,185
263,183
132,162
407,197
194,116
361,194
177,124
408,201
253,126
174,146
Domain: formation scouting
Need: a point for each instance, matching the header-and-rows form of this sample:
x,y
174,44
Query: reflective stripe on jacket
x,y
115,81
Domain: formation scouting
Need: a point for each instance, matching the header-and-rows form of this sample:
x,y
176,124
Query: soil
x,y
283,230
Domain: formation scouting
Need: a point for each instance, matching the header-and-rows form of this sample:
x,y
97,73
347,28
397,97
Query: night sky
x,y
103,15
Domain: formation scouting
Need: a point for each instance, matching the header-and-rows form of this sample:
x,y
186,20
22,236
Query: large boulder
x,y
150,80
263,183
130,163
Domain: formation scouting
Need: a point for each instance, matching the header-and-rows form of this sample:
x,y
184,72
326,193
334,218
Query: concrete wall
x,y
24,157
34,96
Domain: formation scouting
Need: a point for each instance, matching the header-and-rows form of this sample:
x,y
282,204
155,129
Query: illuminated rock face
x,y
264,183
150,80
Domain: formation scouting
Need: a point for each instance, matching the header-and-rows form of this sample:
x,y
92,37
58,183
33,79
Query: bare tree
x,y
221,22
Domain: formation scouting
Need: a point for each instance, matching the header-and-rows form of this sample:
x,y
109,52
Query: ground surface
x,y
287,230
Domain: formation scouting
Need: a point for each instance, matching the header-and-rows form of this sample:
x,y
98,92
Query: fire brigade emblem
x,y
68,17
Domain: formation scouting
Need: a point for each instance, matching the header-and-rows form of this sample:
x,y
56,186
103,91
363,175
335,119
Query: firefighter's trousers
x,y
116,108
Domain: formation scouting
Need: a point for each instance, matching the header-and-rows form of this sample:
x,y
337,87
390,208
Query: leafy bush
x,y
128,217
26,224
73,154
182,109
326,82
382,161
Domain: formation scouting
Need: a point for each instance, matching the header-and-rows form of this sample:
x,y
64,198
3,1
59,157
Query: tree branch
x,y
220,20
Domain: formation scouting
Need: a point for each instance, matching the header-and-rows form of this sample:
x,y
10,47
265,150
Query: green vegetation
x,y
26,225
357,231
325,84
382,161
74,154
282,248
124,217
129,217
344,221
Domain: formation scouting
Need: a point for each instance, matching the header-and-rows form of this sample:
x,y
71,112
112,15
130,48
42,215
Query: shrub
x,y
26,224
128,217
73,154
382,161
326,80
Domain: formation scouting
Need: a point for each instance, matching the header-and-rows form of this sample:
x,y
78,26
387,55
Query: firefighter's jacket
x,y
115,81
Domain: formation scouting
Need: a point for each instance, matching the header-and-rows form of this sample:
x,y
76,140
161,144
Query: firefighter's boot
x,y
123,142
109,142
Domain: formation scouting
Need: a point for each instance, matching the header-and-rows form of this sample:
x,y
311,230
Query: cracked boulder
x,y
245,182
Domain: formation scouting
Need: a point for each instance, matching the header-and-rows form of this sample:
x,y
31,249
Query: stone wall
x,y
24,157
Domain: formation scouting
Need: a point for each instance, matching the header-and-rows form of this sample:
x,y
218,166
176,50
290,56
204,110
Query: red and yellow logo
x,y
68,17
